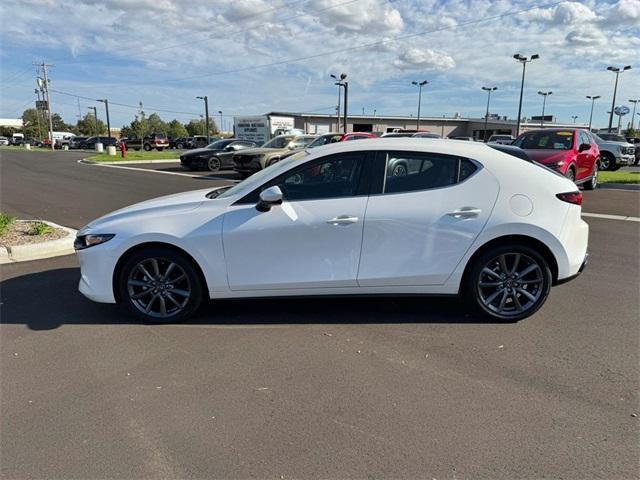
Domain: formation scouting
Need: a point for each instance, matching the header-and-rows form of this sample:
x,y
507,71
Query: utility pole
x,y
45,87
95,118
106,106
221,127
37,92
486,115
593,98
524,60
346,100
338,80
419,85
206,115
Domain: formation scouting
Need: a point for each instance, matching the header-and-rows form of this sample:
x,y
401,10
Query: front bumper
x,y
251,166
96,274
625,159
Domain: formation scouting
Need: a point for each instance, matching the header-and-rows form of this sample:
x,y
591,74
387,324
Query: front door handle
x,y
465,212
343,220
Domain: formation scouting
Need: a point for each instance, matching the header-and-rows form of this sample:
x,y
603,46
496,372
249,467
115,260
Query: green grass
x,y
619,176
22,149
39,228
132,155
5,222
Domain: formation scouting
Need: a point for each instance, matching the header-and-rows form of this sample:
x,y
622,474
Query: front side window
x,y
334,176
411,171
278,142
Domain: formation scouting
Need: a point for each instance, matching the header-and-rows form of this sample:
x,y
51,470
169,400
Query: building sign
x,y
42,105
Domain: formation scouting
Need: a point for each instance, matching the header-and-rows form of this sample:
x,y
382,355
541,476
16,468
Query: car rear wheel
x,y
180,146
593,183
214,164
508,283
160,285
147,148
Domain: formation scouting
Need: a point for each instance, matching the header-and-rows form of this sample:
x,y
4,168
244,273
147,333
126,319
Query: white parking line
x,y
148,170
611,217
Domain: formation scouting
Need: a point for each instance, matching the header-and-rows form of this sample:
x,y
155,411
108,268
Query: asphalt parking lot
x,y
358,388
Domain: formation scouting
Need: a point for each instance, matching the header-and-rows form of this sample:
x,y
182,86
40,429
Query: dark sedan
x,y
215,156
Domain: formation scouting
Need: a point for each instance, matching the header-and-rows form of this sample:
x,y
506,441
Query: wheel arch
x,y
520,239
142,246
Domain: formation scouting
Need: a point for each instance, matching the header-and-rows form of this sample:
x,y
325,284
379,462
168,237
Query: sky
x,y
255,56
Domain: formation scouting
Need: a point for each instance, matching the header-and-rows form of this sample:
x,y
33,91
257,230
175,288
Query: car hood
x,y
608,143
548,156
261,151
162,206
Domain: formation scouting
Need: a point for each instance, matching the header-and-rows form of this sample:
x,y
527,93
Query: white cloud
x,y
586,37
569,13
424,59
367,16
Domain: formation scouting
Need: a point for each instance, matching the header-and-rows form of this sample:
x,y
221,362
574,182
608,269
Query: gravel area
x,y
17,234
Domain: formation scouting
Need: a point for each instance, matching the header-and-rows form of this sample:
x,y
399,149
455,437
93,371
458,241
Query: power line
x,y
364,45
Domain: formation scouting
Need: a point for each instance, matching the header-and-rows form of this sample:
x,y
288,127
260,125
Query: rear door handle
x,y
465,212
343,220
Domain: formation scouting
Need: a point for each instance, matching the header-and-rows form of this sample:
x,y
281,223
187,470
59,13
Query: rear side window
x,y
414,171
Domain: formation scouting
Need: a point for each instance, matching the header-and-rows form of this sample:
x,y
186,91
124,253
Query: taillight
x,y
571,197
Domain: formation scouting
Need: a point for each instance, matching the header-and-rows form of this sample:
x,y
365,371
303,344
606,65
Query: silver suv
x,y
615,151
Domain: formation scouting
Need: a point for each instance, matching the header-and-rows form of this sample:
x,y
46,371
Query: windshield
x,y
220,144
545,140
324,140
255,179
278,142
612,137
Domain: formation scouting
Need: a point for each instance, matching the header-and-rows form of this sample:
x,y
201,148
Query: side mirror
x,y
268,198
584,147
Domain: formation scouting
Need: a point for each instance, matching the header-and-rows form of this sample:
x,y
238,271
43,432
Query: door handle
x,y
465,212
343,220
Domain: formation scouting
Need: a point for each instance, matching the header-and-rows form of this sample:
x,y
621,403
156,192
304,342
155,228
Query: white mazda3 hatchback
x,y
385,216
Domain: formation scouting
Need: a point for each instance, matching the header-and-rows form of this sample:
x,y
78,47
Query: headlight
x,y
86,241
557,164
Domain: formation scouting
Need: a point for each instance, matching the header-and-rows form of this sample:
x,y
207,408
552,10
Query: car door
x,y
424,212
588,158
312,239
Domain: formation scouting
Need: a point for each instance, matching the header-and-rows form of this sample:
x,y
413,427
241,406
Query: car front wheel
x,y
593,183
508,283
147,148
160,285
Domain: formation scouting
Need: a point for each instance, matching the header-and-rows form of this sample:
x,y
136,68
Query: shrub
x,y
39,228
5,222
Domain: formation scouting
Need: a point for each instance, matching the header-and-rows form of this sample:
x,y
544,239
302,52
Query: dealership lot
x,y
374,388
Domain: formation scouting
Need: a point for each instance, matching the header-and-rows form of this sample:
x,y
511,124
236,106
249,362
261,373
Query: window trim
x,y
363,187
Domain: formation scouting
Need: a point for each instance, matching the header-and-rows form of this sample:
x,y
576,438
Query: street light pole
x,y
633,115
617,71
574,118
95,118
524,61
419,85
486,115
206,115
593,99
346,100
544,102
220,112
338,79
106,106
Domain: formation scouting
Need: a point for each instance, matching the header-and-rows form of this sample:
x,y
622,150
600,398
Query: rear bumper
x,y
577,274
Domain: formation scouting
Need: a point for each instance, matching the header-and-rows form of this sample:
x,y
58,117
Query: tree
x,y
126,131
59,124
140,126
156,125
176,130
36,123
87,126
197,127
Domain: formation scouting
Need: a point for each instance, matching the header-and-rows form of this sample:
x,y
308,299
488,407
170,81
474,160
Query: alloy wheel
x,y
594,178
510,284
159,287
214,164
571,175
399,171
605,162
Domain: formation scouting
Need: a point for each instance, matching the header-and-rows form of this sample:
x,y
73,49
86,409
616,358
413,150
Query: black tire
x,y
607,161
593,182
478,289
147,147
214,164
399,170
571,174
131,280
180,146
160,149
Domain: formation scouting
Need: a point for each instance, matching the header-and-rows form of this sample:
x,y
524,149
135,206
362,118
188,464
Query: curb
x,y
620,186
125,162
37,251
